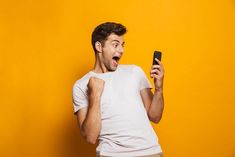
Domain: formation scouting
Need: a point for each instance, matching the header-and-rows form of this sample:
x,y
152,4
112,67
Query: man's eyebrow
x,y
119,41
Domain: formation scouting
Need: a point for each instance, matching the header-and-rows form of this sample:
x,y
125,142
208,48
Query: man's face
x,y
112,51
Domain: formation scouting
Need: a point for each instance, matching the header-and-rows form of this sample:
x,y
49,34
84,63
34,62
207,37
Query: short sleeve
x,y
80,98
143,80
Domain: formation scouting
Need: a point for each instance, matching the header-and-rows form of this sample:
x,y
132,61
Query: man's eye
x,y
115,45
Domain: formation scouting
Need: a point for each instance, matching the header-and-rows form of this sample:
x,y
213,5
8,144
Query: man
x,y
114,103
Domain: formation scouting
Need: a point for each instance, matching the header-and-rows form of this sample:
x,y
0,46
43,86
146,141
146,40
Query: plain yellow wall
x,y
45,47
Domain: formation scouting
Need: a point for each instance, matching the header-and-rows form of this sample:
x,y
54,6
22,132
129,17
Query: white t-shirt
x,y
126,129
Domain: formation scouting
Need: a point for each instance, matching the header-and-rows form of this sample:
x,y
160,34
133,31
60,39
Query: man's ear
x,y
98,46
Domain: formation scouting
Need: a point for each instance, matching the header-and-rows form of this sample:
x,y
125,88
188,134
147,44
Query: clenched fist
x,y
95,86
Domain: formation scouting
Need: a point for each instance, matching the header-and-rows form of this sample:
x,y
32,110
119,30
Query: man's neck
x,y
99,67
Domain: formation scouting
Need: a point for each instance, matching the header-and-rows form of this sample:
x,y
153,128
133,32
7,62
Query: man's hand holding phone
x,y
157,71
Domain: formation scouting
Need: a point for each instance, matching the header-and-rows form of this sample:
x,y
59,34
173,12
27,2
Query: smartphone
x,y
158,55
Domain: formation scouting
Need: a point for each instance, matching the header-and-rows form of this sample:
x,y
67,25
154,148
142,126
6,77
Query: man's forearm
x,y
157,106
92,124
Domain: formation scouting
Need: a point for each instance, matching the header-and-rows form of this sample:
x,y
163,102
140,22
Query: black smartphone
x,y
158,55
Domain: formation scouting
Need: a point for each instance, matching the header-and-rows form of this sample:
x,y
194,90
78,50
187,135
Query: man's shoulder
x,y
83,81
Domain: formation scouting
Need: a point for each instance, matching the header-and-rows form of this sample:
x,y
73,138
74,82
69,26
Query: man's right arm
x,y
89,119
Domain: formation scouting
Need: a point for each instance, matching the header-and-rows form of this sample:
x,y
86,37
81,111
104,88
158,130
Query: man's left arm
x,y
154,102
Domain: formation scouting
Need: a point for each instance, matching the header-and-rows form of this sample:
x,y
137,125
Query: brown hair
x,y
102,31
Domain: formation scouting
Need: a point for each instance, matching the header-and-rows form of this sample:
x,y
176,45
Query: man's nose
x,y
121,50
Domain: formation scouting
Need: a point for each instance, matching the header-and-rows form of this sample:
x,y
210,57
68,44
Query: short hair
x,y
102,31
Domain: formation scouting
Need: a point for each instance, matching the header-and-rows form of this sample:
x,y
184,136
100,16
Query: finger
x,y
158,71
155,76
155,66
155,71
159,62
160,67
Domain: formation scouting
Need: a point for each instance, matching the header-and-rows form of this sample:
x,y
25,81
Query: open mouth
x,y
116,59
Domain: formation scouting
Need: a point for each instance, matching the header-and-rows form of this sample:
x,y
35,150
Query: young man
x,y
114,103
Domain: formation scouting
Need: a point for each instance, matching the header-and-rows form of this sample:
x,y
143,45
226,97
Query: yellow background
x,y
45,47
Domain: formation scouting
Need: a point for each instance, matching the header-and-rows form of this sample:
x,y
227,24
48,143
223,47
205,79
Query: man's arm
x,y
154,103
89,118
